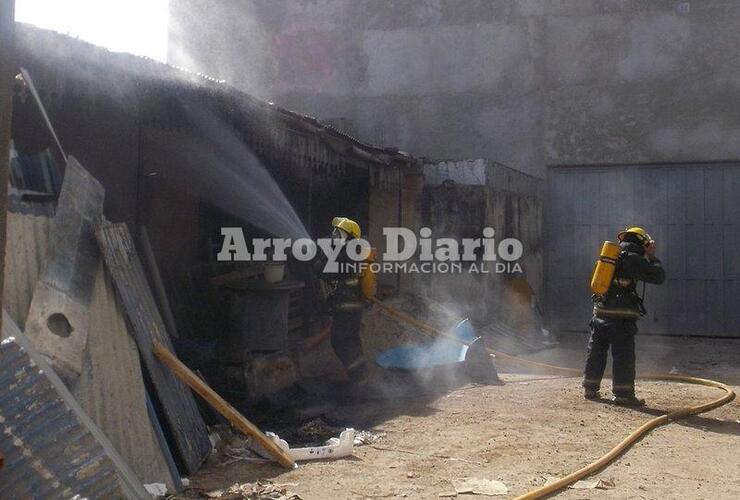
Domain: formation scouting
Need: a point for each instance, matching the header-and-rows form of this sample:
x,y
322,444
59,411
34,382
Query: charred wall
x,y
124,118
460,199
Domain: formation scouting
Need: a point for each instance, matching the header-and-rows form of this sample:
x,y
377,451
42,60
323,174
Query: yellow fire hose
x,y
635,435
615,452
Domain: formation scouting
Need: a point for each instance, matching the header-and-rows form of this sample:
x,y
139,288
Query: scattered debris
x,y
480,486
215,439
261,490
598,484
238,420
315,431
242,454
409,452
156,490
367,437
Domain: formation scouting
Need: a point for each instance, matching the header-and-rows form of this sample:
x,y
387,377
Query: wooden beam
x,y
157,284
219,404
7,74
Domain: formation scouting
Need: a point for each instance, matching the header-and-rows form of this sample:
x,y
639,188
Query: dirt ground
x,y
533,428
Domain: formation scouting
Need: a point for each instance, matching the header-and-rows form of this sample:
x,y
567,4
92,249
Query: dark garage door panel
x,y
692,211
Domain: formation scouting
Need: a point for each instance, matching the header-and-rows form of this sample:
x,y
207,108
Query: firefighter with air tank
x,y
617,307
343,294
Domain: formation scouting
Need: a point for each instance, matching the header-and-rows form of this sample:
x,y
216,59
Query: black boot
x,y
628,401
591,394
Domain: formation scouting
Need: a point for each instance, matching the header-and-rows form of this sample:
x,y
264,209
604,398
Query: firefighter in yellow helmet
x,y
343,301
614,321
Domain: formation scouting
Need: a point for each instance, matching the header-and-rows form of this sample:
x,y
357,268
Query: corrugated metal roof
x,y
125,72
48,452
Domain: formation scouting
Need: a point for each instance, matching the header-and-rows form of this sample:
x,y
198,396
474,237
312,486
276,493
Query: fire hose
x,y
635,435
623,445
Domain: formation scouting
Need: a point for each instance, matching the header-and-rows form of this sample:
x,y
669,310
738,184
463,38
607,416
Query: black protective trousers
x,y
620,335
347,344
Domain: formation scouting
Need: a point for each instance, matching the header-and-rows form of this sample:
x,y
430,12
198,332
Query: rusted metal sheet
x,y
111,387
57,321
27,236
52,448
185,422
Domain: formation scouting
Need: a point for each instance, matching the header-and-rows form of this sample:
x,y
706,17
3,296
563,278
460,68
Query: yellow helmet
x,y
643,235
351,227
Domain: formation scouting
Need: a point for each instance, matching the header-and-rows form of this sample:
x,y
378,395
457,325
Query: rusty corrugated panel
x,y
27,236
51,448
111,387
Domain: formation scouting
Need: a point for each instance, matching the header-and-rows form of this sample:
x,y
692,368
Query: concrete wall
x,y
527,83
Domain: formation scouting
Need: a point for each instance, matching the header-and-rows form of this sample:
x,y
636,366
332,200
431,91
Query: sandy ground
x,y
526,431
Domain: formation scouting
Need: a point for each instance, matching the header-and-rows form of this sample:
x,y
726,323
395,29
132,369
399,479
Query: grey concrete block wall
x,y
528,83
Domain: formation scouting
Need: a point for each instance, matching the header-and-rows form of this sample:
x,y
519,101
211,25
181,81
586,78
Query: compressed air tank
x,y
605,267
368,279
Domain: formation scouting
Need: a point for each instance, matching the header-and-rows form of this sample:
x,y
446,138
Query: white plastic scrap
x,y
156,490
334,447
367,437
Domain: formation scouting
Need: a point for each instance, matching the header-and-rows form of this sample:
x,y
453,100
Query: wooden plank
x,y
7,70
185,422
219,404
162,300
178,486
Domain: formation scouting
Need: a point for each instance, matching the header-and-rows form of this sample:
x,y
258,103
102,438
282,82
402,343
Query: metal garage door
x,y
693,213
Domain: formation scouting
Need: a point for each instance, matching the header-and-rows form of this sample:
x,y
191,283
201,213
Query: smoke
x,y
225,40
228,175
